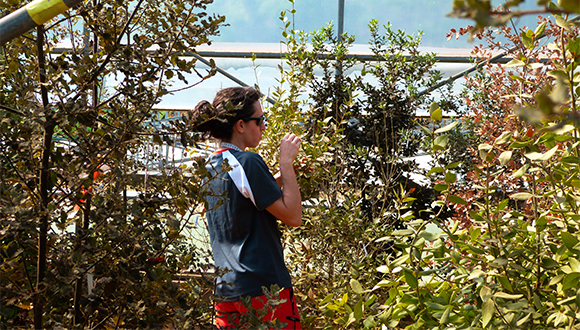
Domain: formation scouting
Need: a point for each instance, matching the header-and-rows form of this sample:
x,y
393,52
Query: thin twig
x,y
13,111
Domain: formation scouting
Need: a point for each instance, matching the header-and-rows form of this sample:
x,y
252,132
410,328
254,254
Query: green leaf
x,y
457,200
571,6
476,216
514,63
484,146
556,279
428,235
503,138
574,264
440,142
398,262
566,301
344,300
475,250
436,169
425,130
437,114
521,171
503,204
505,157
371,300
559,318
356,287
522,196
542,156
499,262
435,111
571,160
528,43
487,311
505,283
571,281
540,30
403,232
447,127
453,165
384,269
570,241
456,256
450,177
504,295
485,293
441,187
520,144
434,306
411,279
558,74
351,319
445,316
476,273
541,223
370,322
358,310
534,66
326,300
407,216
563,23
523,320
530,115
382,284
549,263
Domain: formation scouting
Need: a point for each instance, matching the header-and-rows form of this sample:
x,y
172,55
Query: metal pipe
x,y
30,16
339,32
340,26
280,55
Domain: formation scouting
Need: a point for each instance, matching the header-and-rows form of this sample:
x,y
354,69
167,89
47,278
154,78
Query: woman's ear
x,y
239,126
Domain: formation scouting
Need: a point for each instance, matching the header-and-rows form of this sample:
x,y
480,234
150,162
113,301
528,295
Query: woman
x,y
244,204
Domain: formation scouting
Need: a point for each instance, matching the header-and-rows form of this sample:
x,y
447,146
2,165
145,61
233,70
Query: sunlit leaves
x,y
440,142
537,156
503,138
488,310
447,127
505,157
522,195
129,244
530,115
435,112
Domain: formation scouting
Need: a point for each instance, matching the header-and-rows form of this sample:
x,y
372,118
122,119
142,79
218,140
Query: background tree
x,y
508,259
357,133
90,236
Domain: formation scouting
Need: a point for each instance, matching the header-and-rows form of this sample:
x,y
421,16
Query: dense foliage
x,y
93,226
508,258
358,139
92,231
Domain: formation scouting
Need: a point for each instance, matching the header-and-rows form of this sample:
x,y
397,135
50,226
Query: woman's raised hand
x,y
289,147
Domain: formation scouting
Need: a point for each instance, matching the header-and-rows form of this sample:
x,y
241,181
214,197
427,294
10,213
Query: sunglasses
x,y
259,120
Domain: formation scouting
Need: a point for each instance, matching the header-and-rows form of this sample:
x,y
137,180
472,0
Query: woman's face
x,y
253,133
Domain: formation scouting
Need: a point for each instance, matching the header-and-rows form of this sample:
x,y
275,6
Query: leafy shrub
x,y
357,132
90,237
509,258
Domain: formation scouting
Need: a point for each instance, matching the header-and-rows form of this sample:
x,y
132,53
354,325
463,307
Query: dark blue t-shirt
x,y
244,236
